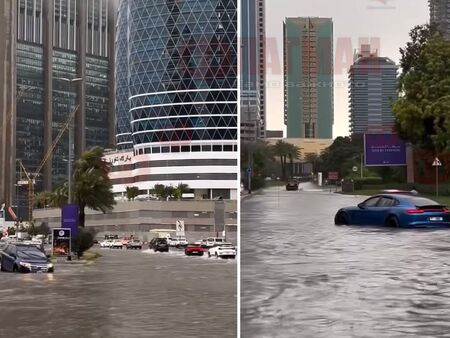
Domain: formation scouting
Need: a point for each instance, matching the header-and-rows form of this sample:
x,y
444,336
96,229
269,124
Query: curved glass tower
x,y
182,93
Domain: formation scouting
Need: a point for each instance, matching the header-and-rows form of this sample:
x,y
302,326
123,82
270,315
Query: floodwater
x,y
125,293
302,276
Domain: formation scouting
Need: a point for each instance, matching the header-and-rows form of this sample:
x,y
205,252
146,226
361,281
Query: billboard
x,y
61,242
69,218
384,150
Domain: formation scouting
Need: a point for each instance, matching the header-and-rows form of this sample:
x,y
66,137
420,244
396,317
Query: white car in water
x,y
106,243
225,250
177,241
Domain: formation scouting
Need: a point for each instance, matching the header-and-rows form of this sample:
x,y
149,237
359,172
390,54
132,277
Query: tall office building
x,y
440,16
308,77
372,87
177,90
253,105
49,43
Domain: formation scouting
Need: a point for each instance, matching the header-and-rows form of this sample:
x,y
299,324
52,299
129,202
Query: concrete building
x,y
253,100
308,77
177,94
46,44
372,88
440,16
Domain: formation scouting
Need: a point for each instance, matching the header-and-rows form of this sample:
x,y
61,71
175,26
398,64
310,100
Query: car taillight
x,y
447,211
415,211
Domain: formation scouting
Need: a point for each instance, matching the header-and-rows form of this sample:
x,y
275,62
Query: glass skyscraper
x,y
50,43
177,93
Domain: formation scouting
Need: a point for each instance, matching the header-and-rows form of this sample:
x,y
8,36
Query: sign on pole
x,y
333,175
180,227
437,164
61,244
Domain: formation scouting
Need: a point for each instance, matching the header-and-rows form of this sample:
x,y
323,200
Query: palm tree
x,y
293,153
180,190
281,149
92,186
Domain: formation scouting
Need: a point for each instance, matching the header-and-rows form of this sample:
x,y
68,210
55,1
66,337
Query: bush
x,y
83,241
361,182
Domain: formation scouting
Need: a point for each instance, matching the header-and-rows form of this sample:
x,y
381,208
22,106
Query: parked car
x,y
177,241
292,185
213,241
24,258
159,244
395,210
106,243
193,249
225,250
134,244
116,244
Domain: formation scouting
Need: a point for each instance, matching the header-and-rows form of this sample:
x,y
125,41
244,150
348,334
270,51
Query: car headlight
x,y
49,265
26,265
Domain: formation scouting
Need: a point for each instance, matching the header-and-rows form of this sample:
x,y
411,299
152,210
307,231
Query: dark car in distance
x,y
193,250
395,210
159,244
292,185
24,258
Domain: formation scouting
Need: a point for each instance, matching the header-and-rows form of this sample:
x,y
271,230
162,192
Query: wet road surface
x,y
302,276
125,293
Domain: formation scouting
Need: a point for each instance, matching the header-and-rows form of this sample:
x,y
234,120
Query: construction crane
x,y
31,177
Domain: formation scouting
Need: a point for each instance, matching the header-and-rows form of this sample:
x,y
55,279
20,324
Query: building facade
x,y
253,103
372,88
308,77
182,94
440,16
54,42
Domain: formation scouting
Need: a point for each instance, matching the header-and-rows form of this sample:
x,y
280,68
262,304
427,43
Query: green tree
x,y
159,190
132,192
293,153
282,150
180,190
43,199
422,112
314,160
92,187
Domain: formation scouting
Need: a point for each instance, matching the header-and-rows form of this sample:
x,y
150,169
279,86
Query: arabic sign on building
x,y
119,158
384,150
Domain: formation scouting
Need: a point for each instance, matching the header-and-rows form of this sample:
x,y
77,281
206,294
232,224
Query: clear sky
x,y
385,23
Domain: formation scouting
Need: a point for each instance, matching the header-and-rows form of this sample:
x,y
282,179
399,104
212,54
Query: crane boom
x,y
31,177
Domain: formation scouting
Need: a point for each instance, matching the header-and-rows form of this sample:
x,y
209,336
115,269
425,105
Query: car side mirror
x,y
361,205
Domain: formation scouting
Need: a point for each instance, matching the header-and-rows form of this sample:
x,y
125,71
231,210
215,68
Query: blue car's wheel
x,y
392,222
341,219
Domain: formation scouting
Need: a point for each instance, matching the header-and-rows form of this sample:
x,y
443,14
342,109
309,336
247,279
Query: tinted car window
x,y
386,202
420,201
30,253
371,202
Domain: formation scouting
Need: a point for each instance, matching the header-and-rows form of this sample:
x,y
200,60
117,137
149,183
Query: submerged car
x,y
395,210
159,244
24,258
134,244
292,185
225,250
193,249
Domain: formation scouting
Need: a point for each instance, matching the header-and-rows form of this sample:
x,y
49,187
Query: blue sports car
x,y
395,210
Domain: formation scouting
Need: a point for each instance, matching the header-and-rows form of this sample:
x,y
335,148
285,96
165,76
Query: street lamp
x,y
69,165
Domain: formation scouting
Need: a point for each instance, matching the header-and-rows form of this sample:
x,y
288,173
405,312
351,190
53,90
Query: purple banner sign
x,y
69,218
384,150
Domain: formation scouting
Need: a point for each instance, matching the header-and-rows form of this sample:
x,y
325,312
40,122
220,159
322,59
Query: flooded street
x,y
302,276
123,294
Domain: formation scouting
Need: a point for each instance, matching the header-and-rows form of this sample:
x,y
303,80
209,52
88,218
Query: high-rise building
x,y
177,95
308,77
60,56
440,16
253,116
372,87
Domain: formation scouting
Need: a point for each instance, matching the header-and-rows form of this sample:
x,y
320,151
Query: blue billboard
x,y
384,150
69,218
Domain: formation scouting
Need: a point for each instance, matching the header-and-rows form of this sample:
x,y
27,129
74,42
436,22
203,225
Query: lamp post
x,y
69,165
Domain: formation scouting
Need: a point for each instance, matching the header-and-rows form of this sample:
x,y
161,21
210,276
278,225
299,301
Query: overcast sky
x,y
384,22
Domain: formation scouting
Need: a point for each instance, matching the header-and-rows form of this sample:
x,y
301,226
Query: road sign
x,y
437,163
355,168
180,227
333,175
249,170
